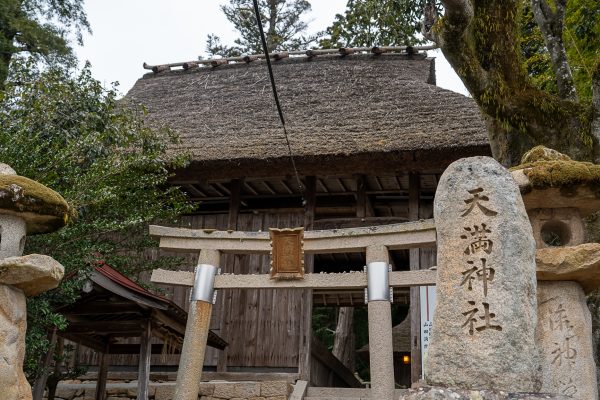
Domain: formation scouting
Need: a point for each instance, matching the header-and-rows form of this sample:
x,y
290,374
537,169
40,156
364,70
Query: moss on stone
x,y
20,195
543,153
561,173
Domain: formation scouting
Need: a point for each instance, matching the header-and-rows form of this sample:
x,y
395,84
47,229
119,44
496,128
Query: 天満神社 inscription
x,y
486,311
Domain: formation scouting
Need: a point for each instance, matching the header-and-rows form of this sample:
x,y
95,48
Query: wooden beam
x,y
361,197
102,307
395,237
305,345
144,362
321,353
414,189
234,203
354,222
310,198
134,348
105,327
85,340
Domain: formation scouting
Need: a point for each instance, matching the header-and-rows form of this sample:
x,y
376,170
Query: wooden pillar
x,y
144,363
304,353
361,197
102,374
234,203
414,189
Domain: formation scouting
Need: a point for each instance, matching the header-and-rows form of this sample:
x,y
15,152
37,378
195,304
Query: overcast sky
x,y
127,33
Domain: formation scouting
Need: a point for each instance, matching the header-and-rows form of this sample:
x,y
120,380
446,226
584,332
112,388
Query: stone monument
x,y
26,207
558,192
486,313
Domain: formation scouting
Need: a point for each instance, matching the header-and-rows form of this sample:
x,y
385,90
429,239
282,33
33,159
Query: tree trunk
x,y
596,108
480,40
55,378
40,383
551,22
344,341
272,31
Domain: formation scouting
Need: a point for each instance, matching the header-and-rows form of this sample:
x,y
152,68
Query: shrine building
x,y
369,136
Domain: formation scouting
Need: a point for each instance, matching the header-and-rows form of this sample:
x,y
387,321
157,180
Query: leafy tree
x,y
367,23
68,132
40,29
483,43
581,35
283,25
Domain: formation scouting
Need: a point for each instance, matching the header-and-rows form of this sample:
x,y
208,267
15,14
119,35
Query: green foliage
x,y
367,23
582,42
40,29
284,29
68,132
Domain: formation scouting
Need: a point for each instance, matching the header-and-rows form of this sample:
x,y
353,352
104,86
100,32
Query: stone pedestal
x,y
486,313
441,393
13,325
27,207
565,342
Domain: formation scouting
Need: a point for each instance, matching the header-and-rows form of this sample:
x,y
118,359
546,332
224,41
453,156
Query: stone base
x,y
439,393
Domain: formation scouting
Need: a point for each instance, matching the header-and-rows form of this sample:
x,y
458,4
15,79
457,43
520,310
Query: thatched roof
x,y
334,106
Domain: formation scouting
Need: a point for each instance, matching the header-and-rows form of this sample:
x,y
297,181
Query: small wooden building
x,y
369,136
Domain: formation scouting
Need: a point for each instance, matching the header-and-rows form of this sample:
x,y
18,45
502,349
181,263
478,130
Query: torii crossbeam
x,y
375,241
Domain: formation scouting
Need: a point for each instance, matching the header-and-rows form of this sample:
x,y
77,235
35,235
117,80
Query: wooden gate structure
x,y
375,241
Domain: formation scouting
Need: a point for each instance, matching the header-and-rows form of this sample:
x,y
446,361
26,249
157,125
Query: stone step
x,y
337,398
322,393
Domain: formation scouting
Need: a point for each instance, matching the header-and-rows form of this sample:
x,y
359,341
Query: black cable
x,y
275,95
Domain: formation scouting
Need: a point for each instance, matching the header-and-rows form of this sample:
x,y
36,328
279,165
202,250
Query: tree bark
x,y
480,40
272,31
344,341
40,383
56,374
551,23
596,108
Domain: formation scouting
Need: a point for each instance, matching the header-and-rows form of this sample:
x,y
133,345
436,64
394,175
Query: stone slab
x,y
441,393
564,336
577,263
486,313
33,274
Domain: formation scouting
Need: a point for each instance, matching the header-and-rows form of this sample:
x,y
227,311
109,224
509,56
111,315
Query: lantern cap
x,y
43,209
549,179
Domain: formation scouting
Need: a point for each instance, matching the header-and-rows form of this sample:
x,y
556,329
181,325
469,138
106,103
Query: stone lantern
x,y
26,207
558,193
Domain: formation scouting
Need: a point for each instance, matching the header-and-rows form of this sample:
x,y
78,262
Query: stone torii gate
x,y
375,241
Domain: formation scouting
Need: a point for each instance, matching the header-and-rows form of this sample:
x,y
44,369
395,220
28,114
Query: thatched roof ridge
x,y
334,106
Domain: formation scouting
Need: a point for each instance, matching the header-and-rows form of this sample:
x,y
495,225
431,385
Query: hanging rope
x,y
277,103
